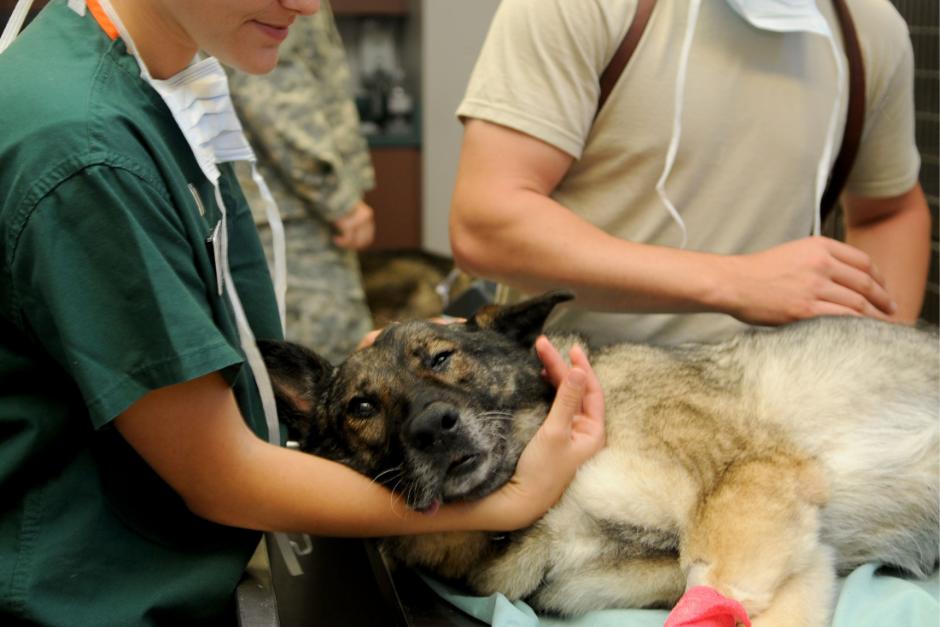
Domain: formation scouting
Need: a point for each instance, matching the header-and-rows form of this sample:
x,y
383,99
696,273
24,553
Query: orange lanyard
x,y
102,18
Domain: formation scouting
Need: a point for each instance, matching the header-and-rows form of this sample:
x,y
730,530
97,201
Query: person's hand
x,y
356,229
369,338
570,435
813,276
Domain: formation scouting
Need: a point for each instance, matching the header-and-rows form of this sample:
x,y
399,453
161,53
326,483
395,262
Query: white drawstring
x,y
278,243
673,149
15,23
258,370
78,6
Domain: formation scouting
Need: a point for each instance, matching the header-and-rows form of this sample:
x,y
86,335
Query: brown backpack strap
x,y
855,118
644,8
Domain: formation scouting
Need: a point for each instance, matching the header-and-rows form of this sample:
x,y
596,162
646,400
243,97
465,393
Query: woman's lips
x,y
278,33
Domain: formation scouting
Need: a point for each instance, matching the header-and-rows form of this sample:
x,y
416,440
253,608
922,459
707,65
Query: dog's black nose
x,y
432,426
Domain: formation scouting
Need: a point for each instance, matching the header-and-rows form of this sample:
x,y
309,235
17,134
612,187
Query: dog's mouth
x,y
457,477
464,464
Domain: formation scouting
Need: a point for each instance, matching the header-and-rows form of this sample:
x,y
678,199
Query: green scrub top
x,y
107,291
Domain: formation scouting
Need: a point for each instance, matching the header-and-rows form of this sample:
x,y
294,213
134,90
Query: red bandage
x,y
702,606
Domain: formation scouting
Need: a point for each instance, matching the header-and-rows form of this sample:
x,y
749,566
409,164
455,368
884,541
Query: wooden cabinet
x,y
370,7
396,198
396,152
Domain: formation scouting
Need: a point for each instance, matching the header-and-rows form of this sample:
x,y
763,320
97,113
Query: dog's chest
x,y
615,504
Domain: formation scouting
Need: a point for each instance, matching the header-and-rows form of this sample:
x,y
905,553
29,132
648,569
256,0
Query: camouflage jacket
x,y
302,122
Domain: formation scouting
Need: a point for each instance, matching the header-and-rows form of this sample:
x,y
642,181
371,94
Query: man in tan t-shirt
x,y
549,197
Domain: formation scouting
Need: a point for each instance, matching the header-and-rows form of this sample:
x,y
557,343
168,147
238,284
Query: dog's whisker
x,y
391,498
385,472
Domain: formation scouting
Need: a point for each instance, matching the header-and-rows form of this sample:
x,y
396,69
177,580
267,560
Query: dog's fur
x,y
760,466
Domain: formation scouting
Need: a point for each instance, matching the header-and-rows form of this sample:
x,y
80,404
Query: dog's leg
x,y
640,582
755,535
804,599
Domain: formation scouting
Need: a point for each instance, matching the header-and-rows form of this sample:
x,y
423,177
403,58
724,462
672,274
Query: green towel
x,y
866,599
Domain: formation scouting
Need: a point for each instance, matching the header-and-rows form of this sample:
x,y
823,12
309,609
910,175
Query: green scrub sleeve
x,y
116,284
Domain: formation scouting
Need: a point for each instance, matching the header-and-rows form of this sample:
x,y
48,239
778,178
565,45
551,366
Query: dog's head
x,y
436,412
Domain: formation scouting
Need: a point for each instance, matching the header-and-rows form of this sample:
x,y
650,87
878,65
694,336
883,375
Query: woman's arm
x,y
195,438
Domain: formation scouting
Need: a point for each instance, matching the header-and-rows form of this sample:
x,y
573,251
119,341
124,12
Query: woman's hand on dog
x,y
571,434
369,338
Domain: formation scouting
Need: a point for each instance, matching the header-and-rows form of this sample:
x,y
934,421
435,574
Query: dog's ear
x,y
298,375
521,322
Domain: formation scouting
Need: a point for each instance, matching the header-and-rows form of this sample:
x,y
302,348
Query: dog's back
x,y
863,398
858,395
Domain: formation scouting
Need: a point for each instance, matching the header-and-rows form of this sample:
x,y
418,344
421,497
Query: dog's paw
x,y
754,601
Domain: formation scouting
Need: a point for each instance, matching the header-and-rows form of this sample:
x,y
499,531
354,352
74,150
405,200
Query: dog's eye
x,y
439,360
361,407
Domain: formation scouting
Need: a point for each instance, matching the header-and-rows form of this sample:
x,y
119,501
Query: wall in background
x,y
923,17
453,33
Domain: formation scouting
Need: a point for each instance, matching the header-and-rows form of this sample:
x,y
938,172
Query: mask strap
x,y
15,23
277,242
258,370
825,161
694,7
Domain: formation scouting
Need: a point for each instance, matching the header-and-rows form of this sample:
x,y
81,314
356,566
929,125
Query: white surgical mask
x,y
774,15
199,100
782,16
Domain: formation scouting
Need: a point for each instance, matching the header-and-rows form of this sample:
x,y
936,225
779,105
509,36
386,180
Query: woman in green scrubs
x,y
133,475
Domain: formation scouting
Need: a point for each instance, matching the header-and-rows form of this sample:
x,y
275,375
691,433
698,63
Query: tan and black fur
x,y
761,466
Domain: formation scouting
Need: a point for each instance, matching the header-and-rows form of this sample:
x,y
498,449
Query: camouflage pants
x,y
326,305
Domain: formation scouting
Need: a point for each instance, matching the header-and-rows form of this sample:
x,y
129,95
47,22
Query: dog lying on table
x,y
760,466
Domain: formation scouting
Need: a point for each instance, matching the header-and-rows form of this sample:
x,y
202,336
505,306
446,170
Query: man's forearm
x,y
534,244
899,244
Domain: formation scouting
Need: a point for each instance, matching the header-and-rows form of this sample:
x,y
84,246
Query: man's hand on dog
x,y
571,434
813,276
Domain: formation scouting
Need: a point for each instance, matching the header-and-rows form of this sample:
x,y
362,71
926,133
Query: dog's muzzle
x,y
434,429
437,435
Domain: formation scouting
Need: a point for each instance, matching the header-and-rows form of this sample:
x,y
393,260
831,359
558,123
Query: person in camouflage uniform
x,y
302,122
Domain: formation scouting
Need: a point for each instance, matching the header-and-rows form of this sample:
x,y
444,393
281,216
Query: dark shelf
x,y
370,7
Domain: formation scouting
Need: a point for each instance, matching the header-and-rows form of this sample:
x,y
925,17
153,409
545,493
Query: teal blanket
x,y
867,598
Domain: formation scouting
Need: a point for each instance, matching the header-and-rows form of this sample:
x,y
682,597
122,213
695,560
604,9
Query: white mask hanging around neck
x,y
782,16
772,15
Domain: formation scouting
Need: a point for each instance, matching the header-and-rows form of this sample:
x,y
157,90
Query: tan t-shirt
x,y
754,124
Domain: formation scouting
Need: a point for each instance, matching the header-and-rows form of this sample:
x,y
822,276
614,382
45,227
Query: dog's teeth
x,y
461,462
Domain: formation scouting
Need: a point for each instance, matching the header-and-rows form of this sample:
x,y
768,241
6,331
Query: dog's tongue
x,y
431,509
